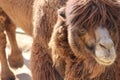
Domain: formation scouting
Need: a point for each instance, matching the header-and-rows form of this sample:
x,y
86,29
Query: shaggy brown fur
x,y
82,67
59,38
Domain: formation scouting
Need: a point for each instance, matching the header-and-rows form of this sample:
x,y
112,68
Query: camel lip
x,y
103,62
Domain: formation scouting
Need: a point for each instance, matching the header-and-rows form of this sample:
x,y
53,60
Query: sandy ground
x,y
24,43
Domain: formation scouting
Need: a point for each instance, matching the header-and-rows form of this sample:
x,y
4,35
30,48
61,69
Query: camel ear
x,y
61,13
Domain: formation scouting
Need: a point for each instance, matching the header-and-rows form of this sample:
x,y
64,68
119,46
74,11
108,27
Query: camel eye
x,y
82,31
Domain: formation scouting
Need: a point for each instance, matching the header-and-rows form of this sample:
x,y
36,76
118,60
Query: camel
x,y
67,47
89,51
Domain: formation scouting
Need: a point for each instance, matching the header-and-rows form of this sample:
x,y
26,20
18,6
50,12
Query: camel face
x,y
92,31
96,43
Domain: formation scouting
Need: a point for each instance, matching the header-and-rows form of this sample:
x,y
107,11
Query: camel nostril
x,y
101,45
106,44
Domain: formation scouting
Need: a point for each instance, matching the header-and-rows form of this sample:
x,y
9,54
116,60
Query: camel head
x,y
93,29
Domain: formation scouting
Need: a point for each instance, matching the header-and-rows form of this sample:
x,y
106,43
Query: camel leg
x,y
6,73
15,58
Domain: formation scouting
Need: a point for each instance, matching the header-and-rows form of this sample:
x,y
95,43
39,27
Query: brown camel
x,y
90,37
77,37
22,15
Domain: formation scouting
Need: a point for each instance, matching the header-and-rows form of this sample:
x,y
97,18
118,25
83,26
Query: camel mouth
x,y
105,57
105,62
